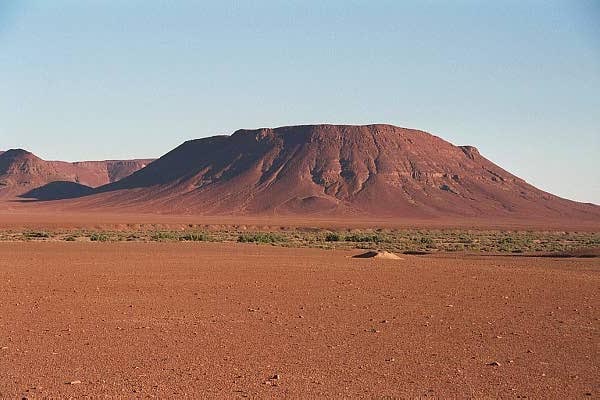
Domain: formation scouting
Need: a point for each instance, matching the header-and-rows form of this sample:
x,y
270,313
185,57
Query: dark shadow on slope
x,y
217,158
183,161
58,190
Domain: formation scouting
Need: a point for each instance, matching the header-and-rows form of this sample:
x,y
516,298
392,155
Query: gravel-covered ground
x,y
226,320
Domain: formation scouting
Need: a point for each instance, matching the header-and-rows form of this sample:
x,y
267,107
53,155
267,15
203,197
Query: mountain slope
x,y
22,171
378,170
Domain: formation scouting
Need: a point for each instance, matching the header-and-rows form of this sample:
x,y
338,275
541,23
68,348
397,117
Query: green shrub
x,y
365,237
333,237
464,238
164,235
36,235
99,237
260,237
194,237
426,240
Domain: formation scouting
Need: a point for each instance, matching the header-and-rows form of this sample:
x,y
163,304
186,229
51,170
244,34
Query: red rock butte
x,y
334,171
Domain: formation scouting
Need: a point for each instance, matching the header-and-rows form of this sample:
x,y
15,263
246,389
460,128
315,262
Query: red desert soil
x,y
231,320
46,215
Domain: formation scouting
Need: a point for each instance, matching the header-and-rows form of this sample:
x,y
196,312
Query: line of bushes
x,y
356,237
36,235
261,237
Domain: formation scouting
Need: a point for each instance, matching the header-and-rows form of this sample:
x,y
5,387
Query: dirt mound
x,y
384,255
21,172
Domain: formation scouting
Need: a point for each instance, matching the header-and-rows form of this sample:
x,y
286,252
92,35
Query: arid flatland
x,y
225,268
241,320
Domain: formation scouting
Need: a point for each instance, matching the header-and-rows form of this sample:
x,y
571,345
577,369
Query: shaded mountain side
x,y
377,170
22,171
58,190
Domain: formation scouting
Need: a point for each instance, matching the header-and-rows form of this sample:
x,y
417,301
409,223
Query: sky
x,y
114,79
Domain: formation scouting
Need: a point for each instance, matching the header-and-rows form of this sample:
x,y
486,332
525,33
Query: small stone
x,y
276,377
74,382
494,364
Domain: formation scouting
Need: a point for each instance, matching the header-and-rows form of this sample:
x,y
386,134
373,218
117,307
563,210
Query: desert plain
x,y
226,269
165,318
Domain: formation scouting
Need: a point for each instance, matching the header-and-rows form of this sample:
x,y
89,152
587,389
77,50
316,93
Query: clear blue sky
x,y
134,78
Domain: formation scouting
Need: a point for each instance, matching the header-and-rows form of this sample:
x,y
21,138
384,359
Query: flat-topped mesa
x,y
308,132
369,170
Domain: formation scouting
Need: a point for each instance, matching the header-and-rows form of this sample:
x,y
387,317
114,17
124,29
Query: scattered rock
x,y
74,383
494,364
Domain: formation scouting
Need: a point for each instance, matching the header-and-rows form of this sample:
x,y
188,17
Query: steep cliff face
x,y
377,170
22,171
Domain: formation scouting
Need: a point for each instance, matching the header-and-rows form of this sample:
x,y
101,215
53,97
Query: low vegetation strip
x,y
261,237
410,241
